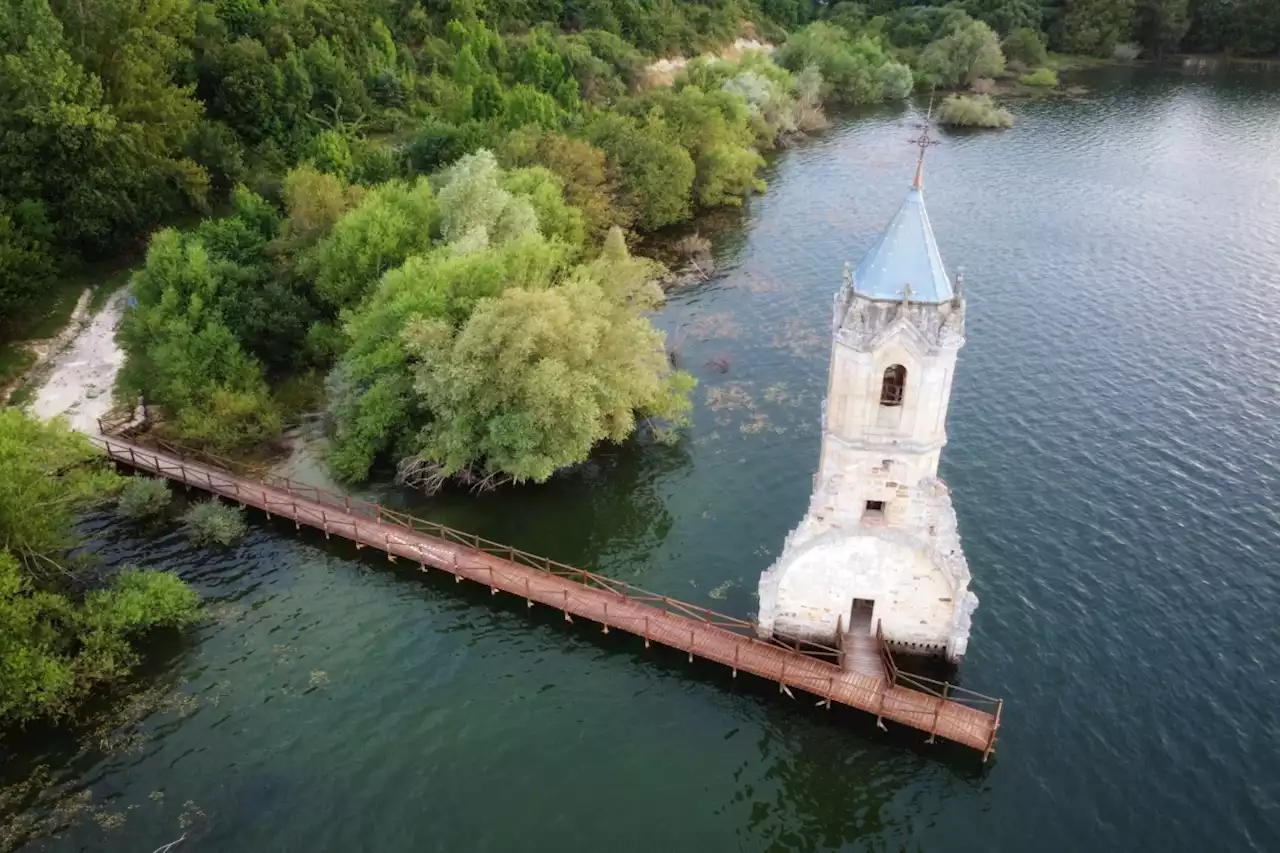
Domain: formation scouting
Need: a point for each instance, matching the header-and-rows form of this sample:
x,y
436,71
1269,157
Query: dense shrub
x,y
976,111
144,497
1025,45
970,51
854,70
211,522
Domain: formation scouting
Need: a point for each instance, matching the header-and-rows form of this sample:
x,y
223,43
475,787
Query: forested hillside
x,y
416,216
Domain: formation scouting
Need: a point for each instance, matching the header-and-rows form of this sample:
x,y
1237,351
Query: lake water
x,y
1115,459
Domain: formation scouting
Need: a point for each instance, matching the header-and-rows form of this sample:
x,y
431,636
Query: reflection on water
x,y
1115,458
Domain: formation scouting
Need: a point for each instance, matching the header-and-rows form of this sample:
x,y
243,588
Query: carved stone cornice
x,y
866,325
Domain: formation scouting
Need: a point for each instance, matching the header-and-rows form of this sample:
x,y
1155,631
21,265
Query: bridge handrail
x,y
924,684
369,509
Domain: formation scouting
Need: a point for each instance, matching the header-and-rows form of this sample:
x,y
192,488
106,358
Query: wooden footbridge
x,y
833,675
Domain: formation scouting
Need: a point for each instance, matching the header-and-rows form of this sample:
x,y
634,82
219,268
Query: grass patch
x,y
14,361
1045,78
1072,62
47,315
107,287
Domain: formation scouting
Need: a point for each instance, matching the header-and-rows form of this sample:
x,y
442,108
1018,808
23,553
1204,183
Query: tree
x,y
1025,45
853,69
1095,27
392,223
55,648
313,202
372,405
56,640
1004,16
476,208
654,175
536,378
581,168
26,256
1161,25
50,473
184,357
100,176
971,50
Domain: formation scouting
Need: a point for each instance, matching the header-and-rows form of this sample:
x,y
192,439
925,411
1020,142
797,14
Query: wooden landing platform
x,y
936,708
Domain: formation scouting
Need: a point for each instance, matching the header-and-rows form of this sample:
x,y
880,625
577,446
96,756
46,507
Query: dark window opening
x,y
894,385
875,506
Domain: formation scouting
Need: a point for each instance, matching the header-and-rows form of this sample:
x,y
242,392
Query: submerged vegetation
x,y
213,523
144,497
975,111
63,630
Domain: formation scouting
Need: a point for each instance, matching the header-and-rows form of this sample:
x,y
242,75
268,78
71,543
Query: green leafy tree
x,y
475,208
313,203
1025,45
582,170
545,194
1161,25
537,378
1095,27
393,222
54,649
654,175
523,105
853,69
1004,16
50,473
330,152
57,642
969,51
372,404
185,358
101,177
26,255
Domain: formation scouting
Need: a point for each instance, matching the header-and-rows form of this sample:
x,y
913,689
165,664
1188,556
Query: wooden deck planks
x,y
953,721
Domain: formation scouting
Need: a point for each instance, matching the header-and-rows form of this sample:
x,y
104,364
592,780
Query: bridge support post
x,y
605,623
737,650
528,598
567,617
493,590
646,631
691,641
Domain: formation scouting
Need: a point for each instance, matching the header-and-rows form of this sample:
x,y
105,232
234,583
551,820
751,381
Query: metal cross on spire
x,y
923,142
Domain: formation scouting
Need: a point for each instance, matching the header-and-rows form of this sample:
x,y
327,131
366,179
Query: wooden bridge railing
x,y
348,506
941,689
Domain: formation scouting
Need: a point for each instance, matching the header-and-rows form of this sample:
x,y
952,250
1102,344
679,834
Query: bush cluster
x,y
975,111
144,497
214,523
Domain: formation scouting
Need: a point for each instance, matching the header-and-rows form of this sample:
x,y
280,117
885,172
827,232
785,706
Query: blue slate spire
x,y
906,253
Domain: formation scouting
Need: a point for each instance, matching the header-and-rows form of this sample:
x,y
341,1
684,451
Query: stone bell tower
x,y
879,543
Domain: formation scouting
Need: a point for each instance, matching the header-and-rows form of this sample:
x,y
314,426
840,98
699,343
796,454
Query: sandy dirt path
x,y
79,382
